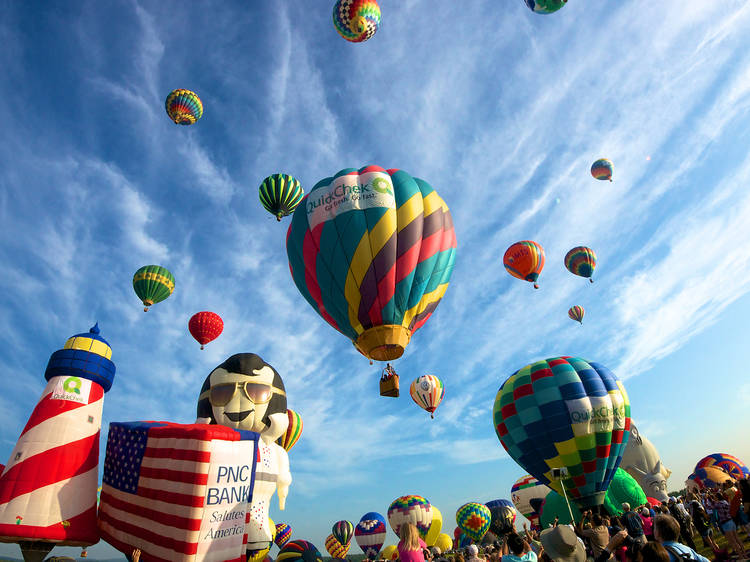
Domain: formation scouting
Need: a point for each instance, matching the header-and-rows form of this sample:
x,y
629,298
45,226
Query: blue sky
x,y
501,110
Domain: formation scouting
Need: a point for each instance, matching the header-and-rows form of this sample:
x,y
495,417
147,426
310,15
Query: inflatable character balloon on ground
x,y
641,460
246,393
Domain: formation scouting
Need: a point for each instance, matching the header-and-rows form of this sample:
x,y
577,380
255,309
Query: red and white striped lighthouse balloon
x,y
48,487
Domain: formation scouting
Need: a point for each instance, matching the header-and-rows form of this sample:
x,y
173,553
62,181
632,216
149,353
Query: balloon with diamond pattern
x,y
370,534
474,520
410,509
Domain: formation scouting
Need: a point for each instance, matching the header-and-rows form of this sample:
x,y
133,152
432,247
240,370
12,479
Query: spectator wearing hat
x,y
666,532
562,545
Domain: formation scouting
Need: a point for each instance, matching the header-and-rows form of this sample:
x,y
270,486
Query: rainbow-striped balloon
x,y
576,313
299,551
293,431
184,107
602,169
474,520
427,391
581,261
734,466
372,251
356,20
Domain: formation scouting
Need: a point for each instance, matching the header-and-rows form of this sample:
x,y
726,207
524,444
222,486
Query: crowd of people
x,y
645,533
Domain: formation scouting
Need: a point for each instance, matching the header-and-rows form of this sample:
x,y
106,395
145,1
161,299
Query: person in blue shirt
x,y
666,532
517,549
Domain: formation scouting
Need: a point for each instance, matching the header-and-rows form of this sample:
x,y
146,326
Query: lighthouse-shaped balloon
x,y
48,487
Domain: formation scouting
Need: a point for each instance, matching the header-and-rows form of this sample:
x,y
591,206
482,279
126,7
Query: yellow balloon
x,y
444,542
435,527
390,552
272,527
259,556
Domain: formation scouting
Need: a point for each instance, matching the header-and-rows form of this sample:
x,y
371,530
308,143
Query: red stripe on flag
x,y
127,549
174,475
47,408
180,547
171,497
155,515
176,454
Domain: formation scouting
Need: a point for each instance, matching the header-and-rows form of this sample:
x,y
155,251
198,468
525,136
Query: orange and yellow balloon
x,y
525,260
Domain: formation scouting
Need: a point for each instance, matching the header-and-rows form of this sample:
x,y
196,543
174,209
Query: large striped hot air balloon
x,y
427,391
525,260
356,20
152,284
568,413
731,464
280,194
293,431
183,107
372,251
335,548
581,261
602,169
343,531
370,533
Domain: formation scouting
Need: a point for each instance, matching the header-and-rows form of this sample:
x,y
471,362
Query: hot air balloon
x,y
602,169
410,509
427,391
205,326
183,107
525,260
444,542
732,465
711,477
463,540
280,194
293,431
502,516
370,533
152,284
335,548
581,261
545,6
568,413
372,251
343,531
523,491
356,20
299,551
474,520
435,527
576,313
283,534
390,552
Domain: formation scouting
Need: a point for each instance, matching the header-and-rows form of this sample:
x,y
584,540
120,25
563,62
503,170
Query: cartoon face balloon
x,y
246,393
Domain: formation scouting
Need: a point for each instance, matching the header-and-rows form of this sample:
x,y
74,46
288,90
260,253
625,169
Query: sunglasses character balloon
x,y
246,393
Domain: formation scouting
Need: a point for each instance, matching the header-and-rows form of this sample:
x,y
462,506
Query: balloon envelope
x,y
280,194
372,252
410,509
524,260
293,431
523,491
152,284
390,552
544,6
283,534
183,107
474,520
435,527
343,531
503,516
734,466
623,489
427,392
602,169
335,548
443,542
581,261
565,412
370,533
205,326
299,551
576,313
356,20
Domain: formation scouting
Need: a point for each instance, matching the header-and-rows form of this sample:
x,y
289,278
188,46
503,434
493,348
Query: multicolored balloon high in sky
x,y
293,431
410,509
280,194
523,491
356,20
525,260
602,169
731,464
427,391
576,313
372,251
152,284
183,107
568,413
205,327
370,533
545,6
474,520
581,261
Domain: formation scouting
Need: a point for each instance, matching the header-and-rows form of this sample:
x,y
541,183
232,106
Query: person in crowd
x,y
648,523
597,535
666,532
727,524
473,554
702,524
632,522
410,547
517,549
678,511
562,545
653,552
459,557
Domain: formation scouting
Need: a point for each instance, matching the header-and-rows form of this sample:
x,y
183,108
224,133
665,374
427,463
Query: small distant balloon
x,y
152,284
581,261
602,169
356,20
184,107
427,391
545,6
280,194
576,313
293,431
525,260
205,327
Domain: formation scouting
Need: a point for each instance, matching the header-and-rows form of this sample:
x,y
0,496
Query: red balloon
x,y
205,326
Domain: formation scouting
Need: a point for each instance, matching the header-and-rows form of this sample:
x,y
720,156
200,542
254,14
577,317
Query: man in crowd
x,y
666,532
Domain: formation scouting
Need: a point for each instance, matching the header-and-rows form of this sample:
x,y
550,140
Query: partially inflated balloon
x,y
444,542
343,531
581,261
335,548
435,527
523,491
545,6
503,516
280,194
152,284
370,533
623,489
474,520
427,391
372,251
525,260
283,534
554,505
183,107
390,552
293,430
299,551
410,509
464,540
734,466
576,313
356,20
565,412
602,169
711,477
205,327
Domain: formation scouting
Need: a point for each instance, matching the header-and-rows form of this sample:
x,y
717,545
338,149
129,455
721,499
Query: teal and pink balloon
x,y
343,531
370,534
581,261
545,6
372,251
502,515
410,509
576,313
474,520
602,169
283,534
565,412
731,464
523,493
